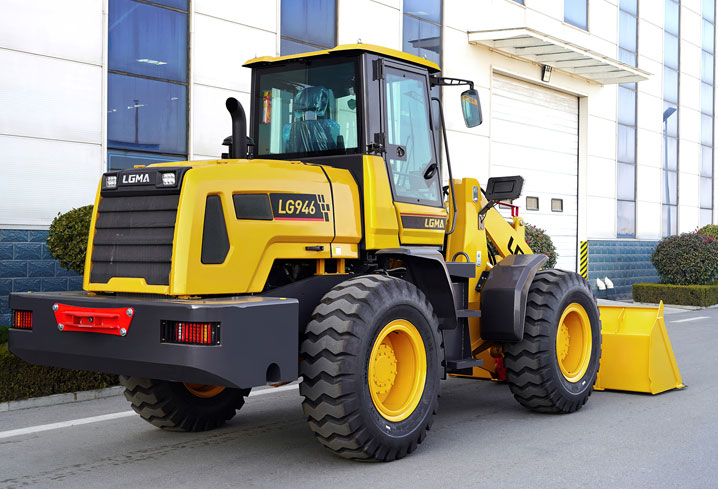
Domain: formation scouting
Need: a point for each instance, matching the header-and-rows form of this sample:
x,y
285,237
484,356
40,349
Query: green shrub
x,y
687,295
68,238
709,230
3,334
20,380
540,242
686,259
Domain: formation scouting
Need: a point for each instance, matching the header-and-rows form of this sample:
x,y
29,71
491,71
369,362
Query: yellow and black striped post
x,y
584,259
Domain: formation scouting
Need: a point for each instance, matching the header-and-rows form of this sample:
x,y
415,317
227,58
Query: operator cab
x,y
332,107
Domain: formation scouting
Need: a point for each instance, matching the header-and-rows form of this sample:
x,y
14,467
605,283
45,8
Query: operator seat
x,y
311,131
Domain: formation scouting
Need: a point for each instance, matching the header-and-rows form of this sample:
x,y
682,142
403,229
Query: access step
x,y
468,313
466,363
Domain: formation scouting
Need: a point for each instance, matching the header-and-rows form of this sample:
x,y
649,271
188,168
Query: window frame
x,y
566,21
396,65
712,84
256,104
667,140
436,123
318,47
532,209
120,81
149,158
186,84
441,13
631,89
419,19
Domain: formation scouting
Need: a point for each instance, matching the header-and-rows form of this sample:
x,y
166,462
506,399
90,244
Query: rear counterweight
x,y
258,344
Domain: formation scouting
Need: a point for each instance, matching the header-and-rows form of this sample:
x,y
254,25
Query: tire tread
x,y
331,344
529,362
158,403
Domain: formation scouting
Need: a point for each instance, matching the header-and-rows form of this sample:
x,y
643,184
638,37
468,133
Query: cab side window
x,y
409,138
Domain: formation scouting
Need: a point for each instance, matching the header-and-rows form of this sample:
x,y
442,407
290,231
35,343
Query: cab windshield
x,y
308,110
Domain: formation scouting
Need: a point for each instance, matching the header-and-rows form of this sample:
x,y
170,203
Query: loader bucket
x,y
637,354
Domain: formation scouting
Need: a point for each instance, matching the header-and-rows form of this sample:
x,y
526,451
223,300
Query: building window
x,y
575,12
422,29
308,25
707,116
146,82
422,33
532,203
671,68
627,94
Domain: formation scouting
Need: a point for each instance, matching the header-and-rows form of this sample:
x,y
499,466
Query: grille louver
x,y
133,238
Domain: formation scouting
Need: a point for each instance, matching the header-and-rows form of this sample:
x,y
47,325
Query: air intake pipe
x,y
238,144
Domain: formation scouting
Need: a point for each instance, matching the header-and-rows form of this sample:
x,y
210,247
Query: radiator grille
x,y
133,238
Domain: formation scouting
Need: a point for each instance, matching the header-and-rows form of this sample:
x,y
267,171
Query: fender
x,y
427,270
503,297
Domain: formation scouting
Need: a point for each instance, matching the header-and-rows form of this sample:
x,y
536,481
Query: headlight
x,y
169,179
111,181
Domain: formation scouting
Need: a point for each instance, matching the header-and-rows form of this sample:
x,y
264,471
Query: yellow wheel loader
x,y
324,247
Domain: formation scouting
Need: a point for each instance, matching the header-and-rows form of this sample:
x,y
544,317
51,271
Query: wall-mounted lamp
x,y
546,73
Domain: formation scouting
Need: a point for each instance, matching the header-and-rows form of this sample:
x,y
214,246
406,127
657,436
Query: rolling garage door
x,y
534,133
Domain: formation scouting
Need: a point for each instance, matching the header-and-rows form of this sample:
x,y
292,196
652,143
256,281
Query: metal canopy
x,y
546,50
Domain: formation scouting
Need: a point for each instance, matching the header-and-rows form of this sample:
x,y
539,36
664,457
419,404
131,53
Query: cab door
x,y
410,151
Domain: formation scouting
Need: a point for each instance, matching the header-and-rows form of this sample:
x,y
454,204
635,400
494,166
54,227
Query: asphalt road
x,y
481,438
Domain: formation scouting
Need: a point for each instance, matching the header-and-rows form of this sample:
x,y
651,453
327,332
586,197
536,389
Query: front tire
x,y
553,369
174,406
371,367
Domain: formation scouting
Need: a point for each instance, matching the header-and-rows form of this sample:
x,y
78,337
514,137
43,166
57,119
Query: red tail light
x,y
191,333
22,319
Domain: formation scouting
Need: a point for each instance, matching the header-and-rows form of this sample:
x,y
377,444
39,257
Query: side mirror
x,y
504,188
471,106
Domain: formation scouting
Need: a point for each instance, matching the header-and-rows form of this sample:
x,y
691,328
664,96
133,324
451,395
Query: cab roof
x,y
347,49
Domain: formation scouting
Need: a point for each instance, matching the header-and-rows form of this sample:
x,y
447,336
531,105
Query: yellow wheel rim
x,y
204,390
573,342
397,370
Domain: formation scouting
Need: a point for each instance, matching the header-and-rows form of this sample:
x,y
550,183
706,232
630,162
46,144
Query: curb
x,y
56,399
115,391
668,308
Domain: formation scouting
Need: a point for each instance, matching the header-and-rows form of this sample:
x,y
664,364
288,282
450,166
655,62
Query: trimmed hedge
x,y
20,380
3,336
709,230
686,259
686,295
67,241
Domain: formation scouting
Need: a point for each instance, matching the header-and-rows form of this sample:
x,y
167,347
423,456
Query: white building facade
x,y
89,85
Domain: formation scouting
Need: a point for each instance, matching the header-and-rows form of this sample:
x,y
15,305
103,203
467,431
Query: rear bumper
x,y
259,336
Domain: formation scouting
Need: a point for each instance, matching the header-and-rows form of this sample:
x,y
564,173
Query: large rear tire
x,y
553,369
371,367
175,406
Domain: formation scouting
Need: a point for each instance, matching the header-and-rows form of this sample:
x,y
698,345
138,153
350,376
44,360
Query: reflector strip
x,y
22,319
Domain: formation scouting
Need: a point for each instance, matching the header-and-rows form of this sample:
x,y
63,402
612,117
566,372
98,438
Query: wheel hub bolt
x,y
123,332
60,327
385,375
130,312
565,341
55,307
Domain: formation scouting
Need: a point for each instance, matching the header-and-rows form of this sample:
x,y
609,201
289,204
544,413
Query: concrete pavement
x,y
481,438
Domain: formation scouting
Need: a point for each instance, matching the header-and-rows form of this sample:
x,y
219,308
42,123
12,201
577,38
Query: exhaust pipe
x,y
238,146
